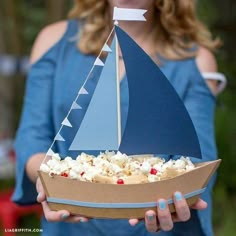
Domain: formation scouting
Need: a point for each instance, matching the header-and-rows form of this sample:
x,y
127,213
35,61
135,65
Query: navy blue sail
x,y
157,122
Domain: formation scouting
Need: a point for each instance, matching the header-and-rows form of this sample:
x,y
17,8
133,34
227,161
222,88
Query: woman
x,y
62,57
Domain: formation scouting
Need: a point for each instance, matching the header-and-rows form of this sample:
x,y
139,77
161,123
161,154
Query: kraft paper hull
x,y
101,200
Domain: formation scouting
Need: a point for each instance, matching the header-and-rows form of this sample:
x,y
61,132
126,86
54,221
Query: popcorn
x,y
45,168
158,166
116,168
52,163
153,178
145,167
179,164
56,157
73,174
189,167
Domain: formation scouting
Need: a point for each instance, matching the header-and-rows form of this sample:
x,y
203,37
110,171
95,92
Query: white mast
x,y
118,88
124,15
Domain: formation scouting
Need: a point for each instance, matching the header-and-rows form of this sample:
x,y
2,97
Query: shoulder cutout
x,y
206,60
47,37
206,63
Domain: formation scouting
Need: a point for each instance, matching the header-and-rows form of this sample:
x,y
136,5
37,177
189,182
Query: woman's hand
x,y
164,220
54,216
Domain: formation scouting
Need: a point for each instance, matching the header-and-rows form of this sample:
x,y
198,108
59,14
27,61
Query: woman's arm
x,y
206,62
32,166
48,37
36,132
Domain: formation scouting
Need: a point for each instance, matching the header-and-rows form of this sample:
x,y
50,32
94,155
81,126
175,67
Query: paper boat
x,y
123,201
157,123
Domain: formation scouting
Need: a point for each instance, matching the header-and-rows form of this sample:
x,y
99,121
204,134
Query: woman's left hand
x,y
163,219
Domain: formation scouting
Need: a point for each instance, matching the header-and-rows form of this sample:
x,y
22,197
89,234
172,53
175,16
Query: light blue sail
x,y
99,127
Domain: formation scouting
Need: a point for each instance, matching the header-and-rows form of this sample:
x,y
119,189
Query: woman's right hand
x,y
55,216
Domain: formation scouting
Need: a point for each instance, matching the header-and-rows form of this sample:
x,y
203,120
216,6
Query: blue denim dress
x,y
52,85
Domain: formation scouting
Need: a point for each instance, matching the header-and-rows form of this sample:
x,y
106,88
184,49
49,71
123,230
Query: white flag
x,y
59,138
75,106
50,152
106,48
98,62
66,122
83,91
129,14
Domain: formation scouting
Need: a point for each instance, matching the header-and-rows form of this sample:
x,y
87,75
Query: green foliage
x,y
224,212
206,12
222,23
211,13
33,18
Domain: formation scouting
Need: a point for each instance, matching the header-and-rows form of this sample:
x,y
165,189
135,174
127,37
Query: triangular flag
x,y
106,48
66,122
83,91
59,138
50,152
75,106
98,62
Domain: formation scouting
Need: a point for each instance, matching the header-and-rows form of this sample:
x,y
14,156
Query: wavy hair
x,y
177,30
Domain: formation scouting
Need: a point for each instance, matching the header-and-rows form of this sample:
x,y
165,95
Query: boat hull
x,y
123,201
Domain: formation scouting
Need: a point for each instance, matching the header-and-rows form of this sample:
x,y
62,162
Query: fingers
x,y
41,194
199,205
41,197
55,216
62,215
181,206
164,215
151,221
39,186
133,222
163,219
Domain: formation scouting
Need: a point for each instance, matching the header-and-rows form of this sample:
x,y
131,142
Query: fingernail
x,y
178,196
82,220
150,217
162,205
64,216
39,195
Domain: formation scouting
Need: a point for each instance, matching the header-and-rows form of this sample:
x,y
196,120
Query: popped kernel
x,y
113,168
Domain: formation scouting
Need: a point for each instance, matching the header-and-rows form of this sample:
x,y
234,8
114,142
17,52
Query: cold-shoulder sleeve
x,y
200,103
37,128
35,132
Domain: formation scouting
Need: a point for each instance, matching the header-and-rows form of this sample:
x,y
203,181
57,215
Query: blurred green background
x,y
21,20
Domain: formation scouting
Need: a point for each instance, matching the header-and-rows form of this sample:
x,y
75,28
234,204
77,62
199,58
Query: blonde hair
x,y
177,28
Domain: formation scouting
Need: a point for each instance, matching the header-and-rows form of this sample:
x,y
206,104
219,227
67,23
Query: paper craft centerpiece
x,y
148,130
